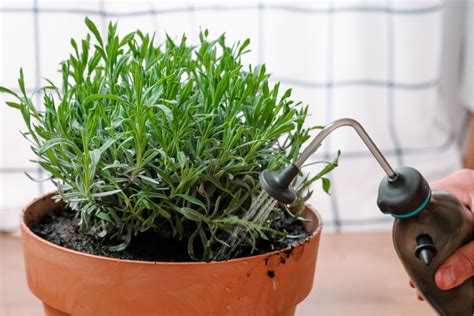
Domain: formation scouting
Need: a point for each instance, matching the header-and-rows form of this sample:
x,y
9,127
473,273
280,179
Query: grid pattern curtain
x,y
396,66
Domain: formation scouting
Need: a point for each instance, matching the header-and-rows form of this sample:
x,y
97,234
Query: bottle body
x,y
447,225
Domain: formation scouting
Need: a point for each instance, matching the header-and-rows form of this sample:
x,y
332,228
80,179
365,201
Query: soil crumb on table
x,y
61,227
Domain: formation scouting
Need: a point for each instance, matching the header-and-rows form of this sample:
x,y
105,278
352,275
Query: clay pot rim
x,y
25,229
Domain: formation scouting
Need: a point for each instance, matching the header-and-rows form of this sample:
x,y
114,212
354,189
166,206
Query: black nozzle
x,y
278,185
426,255
425,250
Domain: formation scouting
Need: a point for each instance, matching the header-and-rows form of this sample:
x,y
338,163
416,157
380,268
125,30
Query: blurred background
x,y
399,67
403,68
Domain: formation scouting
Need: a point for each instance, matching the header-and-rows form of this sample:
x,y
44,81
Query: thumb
x,y
457,268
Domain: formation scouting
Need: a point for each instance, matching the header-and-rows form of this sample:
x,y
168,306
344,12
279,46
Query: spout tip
x,y
426,256
271,184
425,250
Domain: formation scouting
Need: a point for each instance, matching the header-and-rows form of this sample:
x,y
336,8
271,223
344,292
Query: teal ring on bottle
x,y
413,213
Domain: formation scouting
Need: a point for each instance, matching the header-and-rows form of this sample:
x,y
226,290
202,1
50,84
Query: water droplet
x,y
260,209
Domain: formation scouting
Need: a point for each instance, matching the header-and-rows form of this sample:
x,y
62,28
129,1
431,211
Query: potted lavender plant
x,y
155,151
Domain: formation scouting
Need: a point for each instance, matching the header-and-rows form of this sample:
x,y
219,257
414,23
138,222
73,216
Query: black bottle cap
x,y
405,195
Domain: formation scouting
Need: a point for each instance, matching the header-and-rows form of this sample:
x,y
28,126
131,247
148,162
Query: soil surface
x,y
61,228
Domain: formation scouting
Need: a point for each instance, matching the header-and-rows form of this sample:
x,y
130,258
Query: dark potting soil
x,y
61,228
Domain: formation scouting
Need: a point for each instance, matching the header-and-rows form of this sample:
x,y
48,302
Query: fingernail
x,y
449,276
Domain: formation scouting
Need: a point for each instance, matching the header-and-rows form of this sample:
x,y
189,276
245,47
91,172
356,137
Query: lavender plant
x,y
171,138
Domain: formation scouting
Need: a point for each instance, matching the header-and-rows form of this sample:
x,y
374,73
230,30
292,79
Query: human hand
x,y
460,184
459,267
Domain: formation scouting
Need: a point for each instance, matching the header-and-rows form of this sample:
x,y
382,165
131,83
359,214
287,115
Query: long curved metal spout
x,y
316,142
277,185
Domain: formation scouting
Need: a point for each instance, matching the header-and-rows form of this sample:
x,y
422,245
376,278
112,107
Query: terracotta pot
x,y
73,283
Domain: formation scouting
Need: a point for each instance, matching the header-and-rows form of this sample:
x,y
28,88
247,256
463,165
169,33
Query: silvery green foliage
x,y
170,137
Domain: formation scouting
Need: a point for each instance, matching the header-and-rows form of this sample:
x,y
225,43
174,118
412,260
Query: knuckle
x,y
464,261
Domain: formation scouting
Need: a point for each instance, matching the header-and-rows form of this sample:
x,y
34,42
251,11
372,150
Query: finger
x,y
457,268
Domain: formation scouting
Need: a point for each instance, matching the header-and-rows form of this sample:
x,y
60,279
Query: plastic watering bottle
x,y
429,227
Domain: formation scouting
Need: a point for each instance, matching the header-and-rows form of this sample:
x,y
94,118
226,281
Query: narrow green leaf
x,y
5,90
104,194
190,214
192,200
104,216
94,30
326,184
102,96
14,105
182,159
164,213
